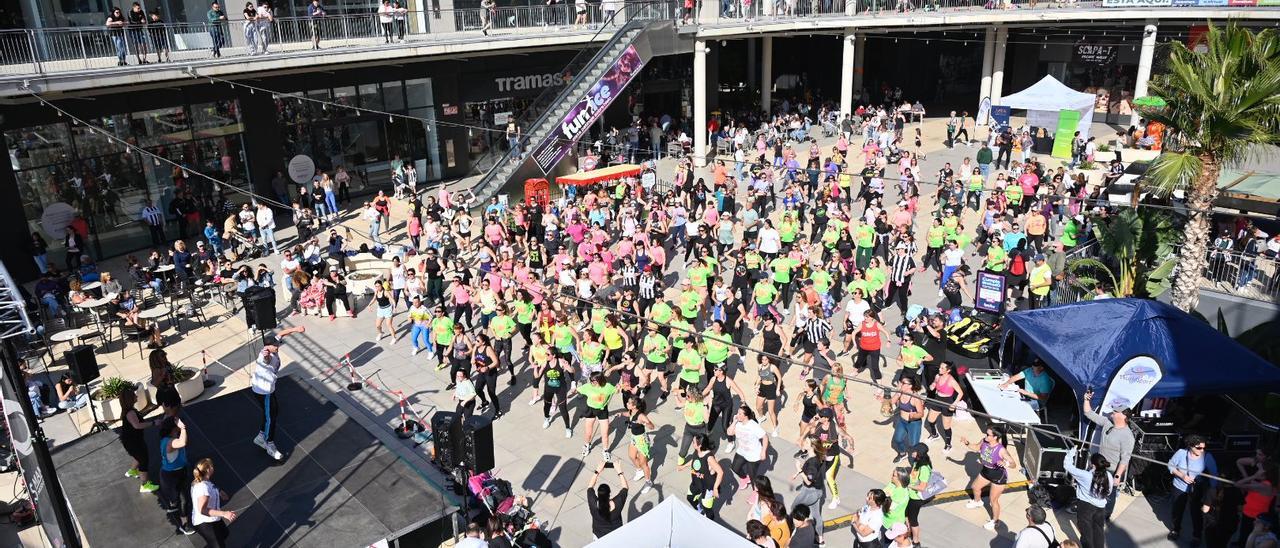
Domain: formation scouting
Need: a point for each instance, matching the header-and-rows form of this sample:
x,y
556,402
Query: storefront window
x,y
108,185
161,126
370,97
393,95
419,93
39,146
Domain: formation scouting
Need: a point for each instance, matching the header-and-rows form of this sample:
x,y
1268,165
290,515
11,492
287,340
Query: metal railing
x,y
1250,276
51,50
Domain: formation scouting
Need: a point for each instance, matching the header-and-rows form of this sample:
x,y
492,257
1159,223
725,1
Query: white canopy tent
x,y
1043,100
672,524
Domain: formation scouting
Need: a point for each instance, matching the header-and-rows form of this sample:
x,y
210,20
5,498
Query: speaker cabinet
x,y
446,430
83,364
1045,454
263,311
476,449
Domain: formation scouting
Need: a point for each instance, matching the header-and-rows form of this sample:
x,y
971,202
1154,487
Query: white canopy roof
x,y
672,524
1048,96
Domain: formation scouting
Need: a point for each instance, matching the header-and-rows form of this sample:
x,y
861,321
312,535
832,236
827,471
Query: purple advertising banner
x,y
577,121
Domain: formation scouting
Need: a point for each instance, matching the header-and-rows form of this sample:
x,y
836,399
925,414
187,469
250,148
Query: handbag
x,y
936,485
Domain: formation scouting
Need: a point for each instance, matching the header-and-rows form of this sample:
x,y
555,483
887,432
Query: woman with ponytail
x,y
870,519
1093,486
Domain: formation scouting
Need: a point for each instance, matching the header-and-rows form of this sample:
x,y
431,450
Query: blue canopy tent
x,y
1086,343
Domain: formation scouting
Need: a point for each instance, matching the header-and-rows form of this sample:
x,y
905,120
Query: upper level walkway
x,y
53,60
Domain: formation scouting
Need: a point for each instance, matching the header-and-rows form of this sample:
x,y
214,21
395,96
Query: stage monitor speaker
x,y
83,364
264,312
446,431
476,447
1045,454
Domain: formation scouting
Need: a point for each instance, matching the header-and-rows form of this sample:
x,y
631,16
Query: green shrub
x,y
112,388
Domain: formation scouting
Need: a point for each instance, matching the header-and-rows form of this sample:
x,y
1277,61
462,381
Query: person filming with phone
x,y
606,511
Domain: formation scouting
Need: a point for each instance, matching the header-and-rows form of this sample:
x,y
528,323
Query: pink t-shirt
x,y
626,248
598,272
576,231
658,255
493,233
461,295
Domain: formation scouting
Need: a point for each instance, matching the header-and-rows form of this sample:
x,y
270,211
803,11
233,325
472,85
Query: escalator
x,y
555,121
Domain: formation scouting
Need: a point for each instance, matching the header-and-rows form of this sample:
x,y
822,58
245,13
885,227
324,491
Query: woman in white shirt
x,y
207,514
869,520
770,241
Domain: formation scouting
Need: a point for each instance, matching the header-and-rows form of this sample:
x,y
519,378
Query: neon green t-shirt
x,y
717,347
912,356
656,348
690,365
442,328
597,396
764,292
503,326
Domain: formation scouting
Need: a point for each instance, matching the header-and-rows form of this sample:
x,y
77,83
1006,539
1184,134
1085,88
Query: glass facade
x,y
365,144
67,169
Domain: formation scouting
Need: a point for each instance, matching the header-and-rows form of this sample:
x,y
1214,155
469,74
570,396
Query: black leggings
x,y
871,359
485,382
175,491
502,347
560,405
1193,497
330,297
721,416
460,310
213,533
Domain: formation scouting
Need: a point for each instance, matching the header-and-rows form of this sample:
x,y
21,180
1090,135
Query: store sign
x,y
449,110
1093,55
990,292
529,82
302,169
577,121
55,219
1269,2
501,118
1000,115
1136,3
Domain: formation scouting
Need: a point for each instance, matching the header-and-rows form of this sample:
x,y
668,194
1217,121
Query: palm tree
x,y
1221,104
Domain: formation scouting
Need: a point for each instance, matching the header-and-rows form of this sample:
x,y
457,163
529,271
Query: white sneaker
x,y
940,293
586,450
728,447
775,432
568,433
639,475
275,453
990,525
834,503
647,486
415,352
546,423
534,401
973,504
260,440
607,456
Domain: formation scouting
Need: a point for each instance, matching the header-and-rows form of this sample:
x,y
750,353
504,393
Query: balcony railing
x,y
1251,276
53,50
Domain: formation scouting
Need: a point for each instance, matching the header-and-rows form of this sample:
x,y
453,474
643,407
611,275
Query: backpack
x,y
1018,266
1053,542
936,485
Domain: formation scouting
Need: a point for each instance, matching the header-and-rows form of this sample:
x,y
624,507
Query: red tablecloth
x,y
597,175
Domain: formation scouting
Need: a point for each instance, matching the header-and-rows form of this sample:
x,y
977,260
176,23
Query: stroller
x,y
520,524
244,248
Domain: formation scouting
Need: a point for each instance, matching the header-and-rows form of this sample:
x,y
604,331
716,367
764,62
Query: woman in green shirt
x,y
597,393
921,471
899,496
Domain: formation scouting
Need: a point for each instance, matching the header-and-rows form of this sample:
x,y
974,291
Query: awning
x,y
610,173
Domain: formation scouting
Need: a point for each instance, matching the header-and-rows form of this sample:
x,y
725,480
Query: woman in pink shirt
x,y
415,232
494,232
598,272
658,256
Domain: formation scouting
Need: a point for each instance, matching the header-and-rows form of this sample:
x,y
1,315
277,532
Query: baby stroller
x,y
497,497
244,248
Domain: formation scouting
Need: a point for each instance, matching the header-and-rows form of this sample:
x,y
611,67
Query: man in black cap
x,y
263,383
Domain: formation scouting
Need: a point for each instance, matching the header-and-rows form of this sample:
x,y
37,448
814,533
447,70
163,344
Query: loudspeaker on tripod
x,y
446,430
83,364
476,448
263,311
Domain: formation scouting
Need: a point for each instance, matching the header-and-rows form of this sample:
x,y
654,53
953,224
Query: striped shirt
x,y
152,215
648,285
901,267
816,329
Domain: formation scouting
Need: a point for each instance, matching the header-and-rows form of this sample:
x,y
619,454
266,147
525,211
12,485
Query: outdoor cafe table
x,y
1006,405
67,335
95,303
154,312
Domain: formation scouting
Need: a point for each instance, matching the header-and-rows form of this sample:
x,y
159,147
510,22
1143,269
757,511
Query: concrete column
x,y
859,55
846,74
753,79
1144,65
988,50
766,74
997,65
700,103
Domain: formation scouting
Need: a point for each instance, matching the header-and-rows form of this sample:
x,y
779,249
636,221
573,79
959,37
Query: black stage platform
x,y
337,485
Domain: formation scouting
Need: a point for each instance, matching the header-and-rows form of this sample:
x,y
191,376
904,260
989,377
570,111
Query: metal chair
x,y
129,331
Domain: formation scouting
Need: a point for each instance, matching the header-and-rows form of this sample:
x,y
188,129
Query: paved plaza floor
x,y
546,466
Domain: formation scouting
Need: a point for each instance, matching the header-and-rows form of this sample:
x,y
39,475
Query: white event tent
x,y
1043,100
672,524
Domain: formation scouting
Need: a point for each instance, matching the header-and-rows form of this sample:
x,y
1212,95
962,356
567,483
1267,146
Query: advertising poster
x,y
1067,121
989,296
577,121
984,111
1137,3
1000,115
1131,383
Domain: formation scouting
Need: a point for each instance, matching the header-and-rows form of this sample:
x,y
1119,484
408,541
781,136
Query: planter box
x,y
110,411
191,389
